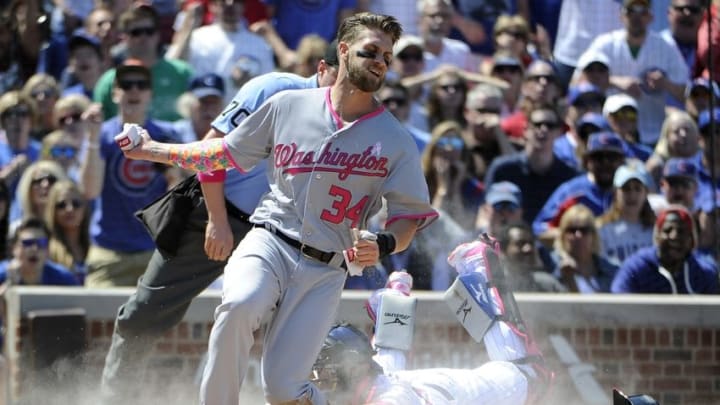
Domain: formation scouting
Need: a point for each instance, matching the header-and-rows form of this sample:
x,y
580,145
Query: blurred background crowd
x,y
580,133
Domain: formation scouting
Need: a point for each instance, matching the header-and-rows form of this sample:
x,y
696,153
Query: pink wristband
x,y
215,176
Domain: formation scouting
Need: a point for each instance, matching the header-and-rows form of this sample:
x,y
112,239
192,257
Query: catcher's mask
x,y
346,353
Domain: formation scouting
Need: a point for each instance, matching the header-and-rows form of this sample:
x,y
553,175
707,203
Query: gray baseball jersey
x,y
327,178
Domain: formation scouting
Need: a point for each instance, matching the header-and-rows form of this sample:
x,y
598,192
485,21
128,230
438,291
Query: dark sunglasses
x,y
537,78
502,69
49,179
451,88
596,67
406,56
45,93
398,101
549,125
515,34
138,84
636,10
41,243
582,229
486,110
67,152
606,157
74,203
688,9
21,112
450,142
625,114
506,206
147,31
70,119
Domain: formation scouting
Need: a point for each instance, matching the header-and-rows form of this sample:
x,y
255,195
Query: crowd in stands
x,y
581,134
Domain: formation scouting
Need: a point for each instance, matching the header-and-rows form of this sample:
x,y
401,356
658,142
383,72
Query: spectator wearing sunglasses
x,y
644,66
579,264
68,113
506,67
536,170
121,247
62,149
67,216
684,18
511,34
29,264
33,189
540,86
140,36
606,151
17,148
621,112
396,99
44,91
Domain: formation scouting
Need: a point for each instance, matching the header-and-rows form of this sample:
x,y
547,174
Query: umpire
x,y
170,282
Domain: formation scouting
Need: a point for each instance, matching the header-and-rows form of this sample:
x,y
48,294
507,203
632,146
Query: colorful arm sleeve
x,y
204,156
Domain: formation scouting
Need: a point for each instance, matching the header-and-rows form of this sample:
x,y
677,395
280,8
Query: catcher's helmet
x,y
345,350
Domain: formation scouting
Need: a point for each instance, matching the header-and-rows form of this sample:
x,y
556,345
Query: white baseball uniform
x,y
496,382
325,178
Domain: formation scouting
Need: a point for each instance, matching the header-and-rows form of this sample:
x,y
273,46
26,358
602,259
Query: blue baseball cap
x,y
633,170
705,83
679,167
503,191
584,91
704,118
605,142
80,37
592,118
208,84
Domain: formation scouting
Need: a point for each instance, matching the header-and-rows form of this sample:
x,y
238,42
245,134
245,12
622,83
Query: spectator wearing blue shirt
x,y
671,266
605,153
583,98
29,263
121,247
536,170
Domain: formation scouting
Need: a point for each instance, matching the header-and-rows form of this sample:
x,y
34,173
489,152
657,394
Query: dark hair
x,y
135,13
395,85
352,26
503,237
30,223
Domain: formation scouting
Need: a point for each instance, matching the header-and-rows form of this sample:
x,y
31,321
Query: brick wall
x,y
664,346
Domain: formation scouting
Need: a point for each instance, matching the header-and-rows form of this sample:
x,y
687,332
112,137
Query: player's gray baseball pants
x,y
265,276
163,294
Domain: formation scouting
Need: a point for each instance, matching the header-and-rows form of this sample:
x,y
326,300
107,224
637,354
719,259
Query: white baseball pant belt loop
x,y
330,258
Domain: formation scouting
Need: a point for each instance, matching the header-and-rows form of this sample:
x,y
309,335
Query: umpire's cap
x,y
331,57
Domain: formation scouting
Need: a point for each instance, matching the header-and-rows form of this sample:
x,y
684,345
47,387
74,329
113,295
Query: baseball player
x,y
334,155
349,370
170,283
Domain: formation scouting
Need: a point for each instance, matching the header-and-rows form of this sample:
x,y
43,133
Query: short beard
x,y
360,79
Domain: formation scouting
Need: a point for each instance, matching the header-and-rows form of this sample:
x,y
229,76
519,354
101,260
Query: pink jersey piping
x,y
338,119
